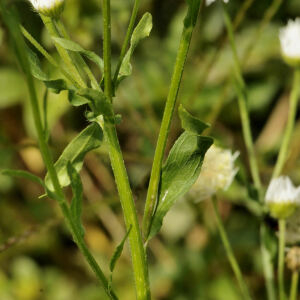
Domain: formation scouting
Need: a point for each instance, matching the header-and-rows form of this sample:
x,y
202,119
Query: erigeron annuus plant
x,y
170,179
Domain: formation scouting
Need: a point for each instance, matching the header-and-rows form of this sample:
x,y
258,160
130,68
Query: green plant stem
x,y
151,199
229,252
242,101
20,45
127,39
42,50
139,262
283,153
64,54
294,286
81,64
58,190
281,246
267,265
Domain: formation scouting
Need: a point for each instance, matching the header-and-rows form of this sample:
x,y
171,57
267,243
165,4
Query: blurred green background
x,y
38,259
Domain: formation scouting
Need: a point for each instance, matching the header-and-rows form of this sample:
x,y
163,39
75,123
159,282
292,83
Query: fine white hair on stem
x,y
209,2
217,173
290,39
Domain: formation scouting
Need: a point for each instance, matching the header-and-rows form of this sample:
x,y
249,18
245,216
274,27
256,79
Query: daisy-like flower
x,y
217,173
209,2
282,197
49,8
290,42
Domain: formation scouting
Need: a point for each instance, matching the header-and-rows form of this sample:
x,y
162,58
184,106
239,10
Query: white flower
x,y
209,2
290,41
282,197
217,173
49,8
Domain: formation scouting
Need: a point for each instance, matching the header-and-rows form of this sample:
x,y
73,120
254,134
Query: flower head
x,y
217,173
282,197
209,2
49,8
290,42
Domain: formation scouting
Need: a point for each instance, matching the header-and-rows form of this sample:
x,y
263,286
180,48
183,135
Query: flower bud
x,y
290,42
282,197
293,259
49,8
217,173
209,2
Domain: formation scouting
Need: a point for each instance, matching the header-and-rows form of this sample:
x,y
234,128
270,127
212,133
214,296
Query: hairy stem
x,y
229,252
294,286
283,153
45,151
127,39
81,64
281,246
151,200
247,134
51,60
64,54
139,262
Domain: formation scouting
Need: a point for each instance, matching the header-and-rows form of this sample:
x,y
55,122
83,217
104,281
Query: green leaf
x,y
76,203
141,31
118,251
179,173
193,11
116,255
72,46
101,105
35,66
190,123
90,138
23,174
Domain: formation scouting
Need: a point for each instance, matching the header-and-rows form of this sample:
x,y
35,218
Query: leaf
x,y
190,123
101,105
118,251
179,173
72,46
192,14
23,174
35,66
116,255
76,203
141,31
90,138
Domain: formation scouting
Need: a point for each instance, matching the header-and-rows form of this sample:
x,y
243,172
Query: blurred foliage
x,y
187,261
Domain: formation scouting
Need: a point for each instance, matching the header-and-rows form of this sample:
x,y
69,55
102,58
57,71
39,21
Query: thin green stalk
x,y
138,255
281,246
229,252
45,151
165,127
294,286
43,51
127,39
79,61
242,101
267,265
283,153
64,54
